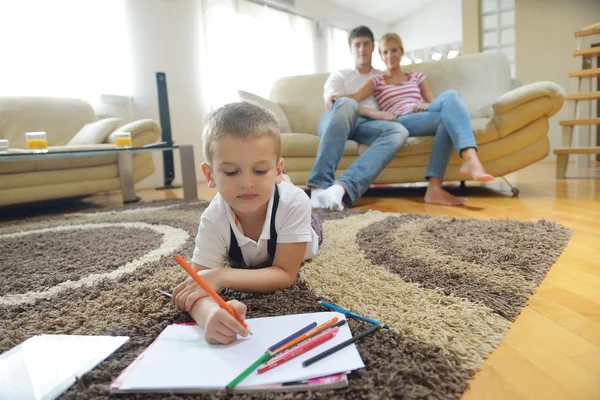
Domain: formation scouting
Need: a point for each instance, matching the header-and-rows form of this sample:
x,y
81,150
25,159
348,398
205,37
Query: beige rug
x,y
449,288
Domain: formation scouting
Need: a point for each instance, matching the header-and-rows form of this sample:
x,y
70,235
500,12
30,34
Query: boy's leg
x,y
384,139
334,129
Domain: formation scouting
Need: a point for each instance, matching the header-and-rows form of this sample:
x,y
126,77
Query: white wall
x,y
544,42
437,24
165,36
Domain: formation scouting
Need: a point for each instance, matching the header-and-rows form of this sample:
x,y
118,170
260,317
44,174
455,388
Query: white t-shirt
x,y
348,81
292,222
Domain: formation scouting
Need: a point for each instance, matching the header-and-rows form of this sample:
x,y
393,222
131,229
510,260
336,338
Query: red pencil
x,y
300,349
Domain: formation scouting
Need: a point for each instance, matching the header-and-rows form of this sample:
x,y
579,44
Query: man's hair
x,y
360,31
239,120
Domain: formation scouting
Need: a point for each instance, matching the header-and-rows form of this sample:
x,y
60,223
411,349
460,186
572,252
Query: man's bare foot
x,y
471,166
437,195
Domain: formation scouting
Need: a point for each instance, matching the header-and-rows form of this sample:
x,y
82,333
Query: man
x,y
362,122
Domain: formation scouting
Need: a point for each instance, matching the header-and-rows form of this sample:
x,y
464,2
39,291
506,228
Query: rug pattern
x,y
449,288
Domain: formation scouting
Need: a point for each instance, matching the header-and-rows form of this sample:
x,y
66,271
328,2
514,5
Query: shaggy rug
x,y
449,287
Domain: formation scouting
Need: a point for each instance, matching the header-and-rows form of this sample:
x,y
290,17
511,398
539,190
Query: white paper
x,y
44,366
180,358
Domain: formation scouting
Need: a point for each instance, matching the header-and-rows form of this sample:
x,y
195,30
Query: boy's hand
x,y
420,107
187,293
221,327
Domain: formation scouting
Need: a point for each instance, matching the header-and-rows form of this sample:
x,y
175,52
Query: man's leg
x,y
334,129
384,139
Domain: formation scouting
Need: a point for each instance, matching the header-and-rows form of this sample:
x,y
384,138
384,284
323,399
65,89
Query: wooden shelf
x,y
587,32
583,96
585,73
573,122
591,52
576,150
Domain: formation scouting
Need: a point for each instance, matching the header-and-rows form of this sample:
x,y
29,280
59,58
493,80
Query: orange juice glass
x,y
123,140
36,142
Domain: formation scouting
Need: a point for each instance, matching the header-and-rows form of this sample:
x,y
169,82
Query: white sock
x,y
316,200
334,195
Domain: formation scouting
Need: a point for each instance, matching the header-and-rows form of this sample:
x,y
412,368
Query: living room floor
x,y
552,350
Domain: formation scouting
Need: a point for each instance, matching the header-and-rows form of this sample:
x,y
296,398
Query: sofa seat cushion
x,y
306,145
49,164
484,129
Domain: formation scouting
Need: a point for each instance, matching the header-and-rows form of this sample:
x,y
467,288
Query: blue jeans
x,y
447,119
343,122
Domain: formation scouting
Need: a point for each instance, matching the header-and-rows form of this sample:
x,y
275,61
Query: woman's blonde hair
x,y
390,37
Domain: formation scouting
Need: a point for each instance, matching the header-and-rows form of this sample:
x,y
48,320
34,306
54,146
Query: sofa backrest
x,y
60,118
479,79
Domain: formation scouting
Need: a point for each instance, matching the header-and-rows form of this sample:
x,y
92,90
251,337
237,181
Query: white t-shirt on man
x,y
348,81
292,223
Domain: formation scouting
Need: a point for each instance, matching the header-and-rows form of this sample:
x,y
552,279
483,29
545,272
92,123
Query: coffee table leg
x,y
188,172
126,177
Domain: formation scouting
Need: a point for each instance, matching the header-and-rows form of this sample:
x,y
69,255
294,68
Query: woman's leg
x,y
428,123
455,118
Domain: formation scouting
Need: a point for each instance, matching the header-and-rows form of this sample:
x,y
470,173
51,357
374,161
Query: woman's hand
x,y
382,115
420,107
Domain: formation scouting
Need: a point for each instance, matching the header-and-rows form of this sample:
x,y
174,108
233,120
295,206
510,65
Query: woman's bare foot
x,y
437,195
471,166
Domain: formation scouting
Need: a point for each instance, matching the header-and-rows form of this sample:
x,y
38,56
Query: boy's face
x,y
245,171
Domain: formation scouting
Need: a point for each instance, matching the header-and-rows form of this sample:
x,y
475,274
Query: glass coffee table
x,y
125,165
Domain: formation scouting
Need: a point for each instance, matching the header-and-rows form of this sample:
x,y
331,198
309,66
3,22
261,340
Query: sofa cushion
x,y
95,132
284,124
305,145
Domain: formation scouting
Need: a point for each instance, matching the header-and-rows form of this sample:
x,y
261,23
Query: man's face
x,y
362,48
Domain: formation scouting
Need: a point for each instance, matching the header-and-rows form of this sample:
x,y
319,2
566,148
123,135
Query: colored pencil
x,y
166,294
340,346
300,349
351,314
291,337
248,371
210,291
318,329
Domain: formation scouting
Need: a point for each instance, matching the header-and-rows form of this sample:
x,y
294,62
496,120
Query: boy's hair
x,y
391,37
240,120
360,31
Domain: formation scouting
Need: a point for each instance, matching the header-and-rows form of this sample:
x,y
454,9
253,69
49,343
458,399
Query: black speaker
x,y
165,125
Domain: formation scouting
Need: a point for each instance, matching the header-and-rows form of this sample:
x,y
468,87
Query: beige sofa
x,y
510,125
44,179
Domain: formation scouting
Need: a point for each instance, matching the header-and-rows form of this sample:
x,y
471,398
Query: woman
x,y
408,97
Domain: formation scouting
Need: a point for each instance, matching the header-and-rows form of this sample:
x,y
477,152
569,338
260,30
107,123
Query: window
x,y
498,28
249,46
64,48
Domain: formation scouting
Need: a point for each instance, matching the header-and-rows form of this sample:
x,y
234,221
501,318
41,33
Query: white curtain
x,y
249,46
64,48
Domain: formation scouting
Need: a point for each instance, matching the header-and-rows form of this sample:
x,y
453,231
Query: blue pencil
x,y
351,314
292,337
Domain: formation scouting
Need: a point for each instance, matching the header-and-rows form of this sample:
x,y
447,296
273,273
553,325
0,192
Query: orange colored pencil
x,y
211,292
306,335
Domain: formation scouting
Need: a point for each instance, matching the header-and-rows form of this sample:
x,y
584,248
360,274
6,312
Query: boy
x,y
260,226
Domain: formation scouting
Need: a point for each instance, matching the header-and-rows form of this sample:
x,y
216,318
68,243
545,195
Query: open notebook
x,y
181,361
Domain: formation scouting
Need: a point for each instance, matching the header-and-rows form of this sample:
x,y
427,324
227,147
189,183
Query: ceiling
x,y
388,12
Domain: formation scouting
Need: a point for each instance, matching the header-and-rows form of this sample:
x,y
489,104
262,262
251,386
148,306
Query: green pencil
x,y
248,370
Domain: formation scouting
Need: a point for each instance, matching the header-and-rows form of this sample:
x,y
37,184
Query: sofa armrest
x,y
530,92
143,132
523,105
